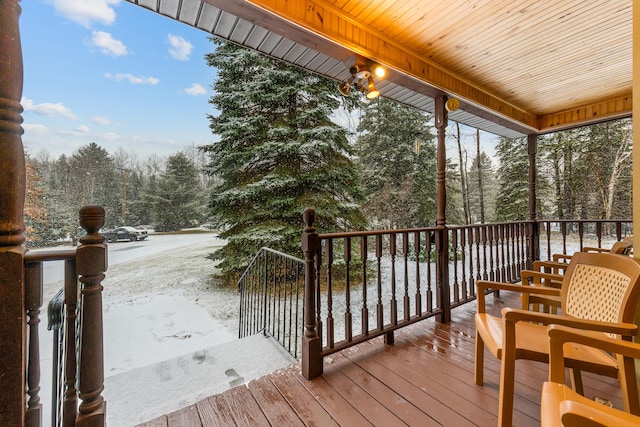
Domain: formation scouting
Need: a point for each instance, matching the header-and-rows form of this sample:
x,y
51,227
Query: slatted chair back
x,y
623,247
601,287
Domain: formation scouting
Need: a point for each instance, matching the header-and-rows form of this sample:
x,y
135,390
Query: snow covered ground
x,y
160,302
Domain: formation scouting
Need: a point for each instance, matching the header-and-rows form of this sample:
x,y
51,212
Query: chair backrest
x,y
601,286
622,247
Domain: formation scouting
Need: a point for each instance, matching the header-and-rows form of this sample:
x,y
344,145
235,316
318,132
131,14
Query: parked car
x,y
125,233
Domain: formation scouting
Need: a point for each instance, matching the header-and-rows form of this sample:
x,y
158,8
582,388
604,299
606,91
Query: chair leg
x,y
576,380
478,372
629,385
507,390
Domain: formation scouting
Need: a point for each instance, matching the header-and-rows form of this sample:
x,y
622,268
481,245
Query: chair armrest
x,y
531,274
483,285
578,414
554,265
558,257
559,334
514,315
593,249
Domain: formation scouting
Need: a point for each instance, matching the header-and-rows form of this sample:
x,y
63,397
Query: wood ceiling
x,y
517,66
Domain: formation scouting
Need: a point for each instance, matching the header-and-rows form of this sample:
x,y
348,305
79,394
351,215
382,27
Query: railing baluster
x,y
348,322
318,264
394,302
470,245
365,309
478,260
507,243
581,234
454,248
70,403
33,303
330,322
485,274
379,305
599,233
492,273
463,259
429,281
406,300
416,250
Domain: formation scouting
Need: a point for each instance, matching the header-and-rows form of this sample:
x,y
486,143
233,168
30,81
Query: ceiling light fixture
x,y
361,80
372,92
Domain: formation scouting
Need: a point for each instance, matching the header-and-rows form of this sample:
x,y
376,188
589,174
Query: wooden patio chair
x,y
549,273
561,406
599,292
622,247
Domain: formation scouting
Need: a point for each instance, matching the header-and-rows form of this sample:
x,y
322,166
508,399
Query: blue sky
x,y
113,73
110,72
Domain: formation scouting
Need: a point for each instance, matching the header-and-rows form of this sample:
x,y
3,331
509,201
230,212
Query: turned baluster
x,y
91,264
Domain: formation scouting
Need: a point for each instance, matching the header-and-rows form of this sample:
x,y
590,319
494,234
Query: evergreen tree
x,y
278,153
397,156
35,212
94,181
488,187
174,198
512,198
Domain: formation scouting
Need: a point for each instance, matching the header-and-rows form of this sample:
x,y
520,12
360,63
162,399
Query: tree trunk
x,y
463,180
480,186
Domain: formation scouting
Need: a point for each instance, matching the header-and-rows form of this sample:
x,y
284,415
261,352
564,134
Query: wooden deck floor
x,y
425,379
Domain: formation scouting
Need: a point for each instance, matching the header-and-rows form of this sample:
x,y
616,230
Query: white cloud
x,y
107,44
179,48
86,12
82,129
48,109
35,129
136,80
102,121
195,89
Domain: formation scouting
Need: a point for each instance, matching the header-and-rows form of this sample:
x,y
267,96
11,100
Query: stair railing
x,y
270,300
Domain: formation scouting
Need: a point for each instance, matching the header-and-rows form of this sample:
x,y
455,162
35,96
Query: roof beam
x,y
615,108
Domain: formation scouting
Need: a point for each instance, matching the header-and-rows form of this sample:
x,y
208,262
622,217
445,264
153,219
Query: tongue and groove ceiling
x,y
517,67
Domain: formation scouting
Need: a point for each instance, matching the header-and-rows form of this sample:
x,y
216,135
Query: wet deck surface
x,y
425,379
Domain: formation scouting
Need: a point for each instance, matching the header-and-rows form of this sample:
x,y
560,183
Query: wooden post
x,y
534,227
12,190
91,263
311,343
441,235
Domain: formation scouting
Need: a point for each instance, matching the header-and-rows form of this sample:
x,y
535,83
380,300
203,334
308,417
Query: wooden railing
x,y
576,234
82,403
361,285
486,252
270,302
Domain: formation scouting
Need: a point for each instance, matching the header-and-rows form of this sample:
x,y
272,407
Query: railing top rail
x,y
50,255
374,232
344,234
257,255
488,224
586,220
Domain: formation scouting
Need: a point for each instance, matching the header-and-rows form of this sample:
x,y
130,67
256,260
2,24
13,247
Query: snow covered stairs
x,y
146,393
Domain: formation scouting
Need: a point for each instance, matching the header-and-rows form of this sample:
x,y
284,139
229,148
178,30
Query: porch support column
x,y
311,342
442,240
534,227
12,189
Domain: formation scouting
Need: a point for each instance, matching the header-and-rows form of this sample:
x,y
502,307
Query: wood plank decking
x,y
425,379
